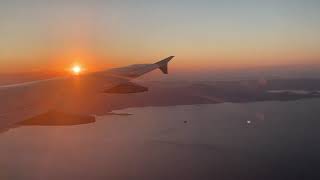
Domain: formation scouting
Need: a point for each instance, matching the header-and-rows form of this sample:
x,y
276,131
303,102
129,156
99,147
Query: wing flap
x,y
126,88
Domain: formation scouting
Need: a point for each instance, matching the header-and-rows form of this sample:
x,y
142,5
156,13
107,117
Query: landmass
x,y
179,93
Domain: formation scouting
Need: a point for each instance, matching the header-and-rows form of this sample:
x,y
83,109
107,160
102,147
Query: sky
x,y
53,35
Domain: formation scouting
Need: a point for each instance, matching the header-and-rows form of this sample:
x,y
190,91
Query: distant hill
x,y
199,92
171,93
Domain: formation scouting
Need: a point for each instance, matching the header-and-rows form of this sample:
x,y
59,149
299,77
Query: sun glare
x,y
76,69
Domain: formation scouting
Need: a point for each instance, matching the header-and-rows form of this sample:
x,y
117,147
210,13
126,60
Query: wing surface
x,y
28,100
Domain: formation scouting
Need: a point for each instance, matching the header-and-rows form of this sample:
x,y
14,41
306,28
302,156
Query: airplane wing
x,y
24,101
137,70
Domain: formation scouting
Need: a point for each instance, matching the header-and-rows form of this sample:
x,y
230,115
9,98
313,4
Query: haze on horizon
x,y
206,33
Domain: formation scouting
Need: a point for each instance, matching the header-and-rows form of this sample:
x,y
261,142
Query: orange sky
x,y
47,36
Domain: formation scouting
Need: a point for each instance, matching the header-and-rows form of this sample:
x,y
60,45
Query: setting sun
x,y
76,69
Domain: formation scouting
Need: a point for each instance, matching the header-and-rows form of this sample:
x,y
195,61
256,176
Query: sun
x,y
76,69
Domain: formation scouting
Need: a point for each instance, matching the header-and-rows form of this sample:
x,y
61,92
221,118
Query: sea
x,y
262,140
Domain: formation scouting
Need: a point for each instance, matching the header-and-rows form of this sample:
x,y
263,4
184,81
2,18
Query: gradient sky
x,y
44,34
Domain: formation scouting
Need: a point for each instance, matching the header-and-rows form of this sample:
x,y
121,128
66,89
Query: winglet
x,y
163,64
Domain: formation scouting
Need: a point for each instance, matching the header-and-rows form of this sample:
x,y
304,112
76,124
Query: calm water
x,y
265,140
